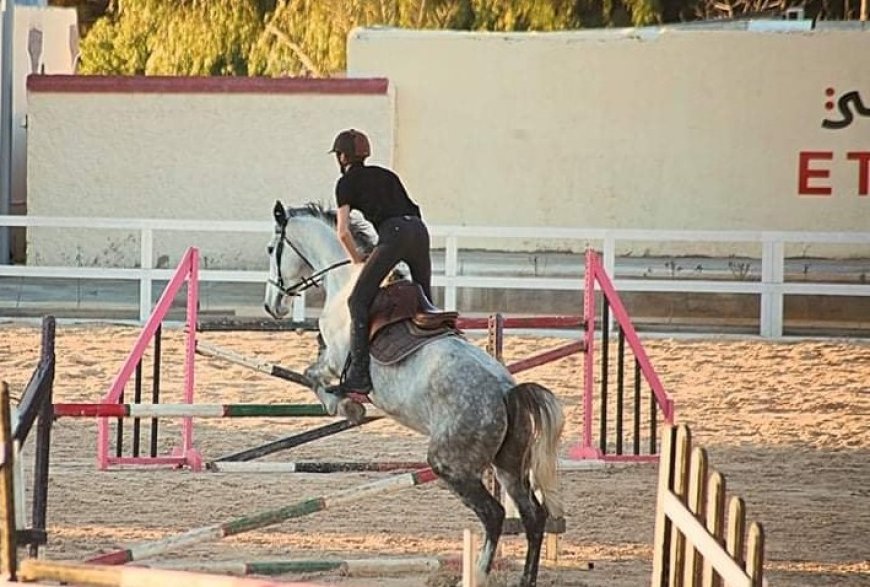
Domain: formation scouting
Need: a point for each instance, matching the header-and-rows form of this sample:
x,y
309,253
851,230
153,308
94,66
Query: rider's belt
x,y
403,217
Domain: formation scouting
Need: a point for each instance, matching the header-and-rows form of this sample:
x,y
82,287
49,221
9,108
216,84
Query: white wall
x,y
625,128
614,128
217,148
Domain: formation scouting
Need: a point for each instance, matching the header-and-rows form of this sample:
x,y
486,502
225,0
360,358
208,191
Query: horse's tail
x,y
535,412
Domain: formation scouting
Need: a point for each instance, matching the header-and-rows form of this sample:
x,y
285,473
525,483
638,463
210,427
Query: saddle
x,y
404,300
402,320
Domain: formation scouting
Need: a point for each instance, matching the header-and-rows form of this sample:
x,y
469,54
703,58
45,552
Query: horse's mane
x,y
363,233
361,230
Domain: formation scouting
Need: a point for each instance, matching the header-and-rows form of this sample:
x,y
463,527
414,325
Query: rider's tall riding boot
x,y
356,378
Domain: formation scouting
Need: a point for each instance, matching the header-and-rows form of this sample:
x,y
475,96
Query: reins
x,y
313,280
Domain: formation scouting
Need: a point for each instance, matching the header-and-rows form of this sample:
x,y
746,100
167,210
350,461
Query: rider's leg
x,y
415,252
381,261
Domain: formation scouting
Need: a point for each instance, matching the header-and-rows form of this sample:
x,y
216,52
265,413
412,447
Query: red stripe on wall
x,y
97,84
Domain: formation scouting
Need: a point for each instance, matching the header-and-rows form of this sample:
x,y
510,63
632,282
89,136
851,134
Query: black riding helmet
x,y
354,145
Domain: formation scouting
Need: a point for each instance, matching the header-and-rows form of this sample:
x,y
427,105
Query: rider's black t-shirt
x,y
376,192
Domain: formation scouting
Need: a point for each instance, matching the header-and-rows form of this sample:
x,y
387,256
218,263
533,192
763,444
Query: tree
x,y
308,37
183,37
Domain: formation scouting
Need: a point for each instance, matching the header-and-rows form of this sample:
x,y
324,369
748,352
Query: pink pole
x,y
619,312
586,450
187,269
147,333
187,450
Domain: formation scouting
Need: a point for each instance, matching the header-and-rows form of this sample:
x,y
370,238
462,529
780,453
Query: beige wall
x,y
218,149
678,130
603,129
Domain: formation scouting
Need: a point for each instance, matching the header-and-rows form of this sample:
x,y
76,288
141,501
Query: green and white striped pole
x,y
268,518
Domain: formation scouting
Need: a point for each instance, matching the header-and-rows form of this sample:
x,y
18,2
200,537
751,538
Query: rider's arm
x,y
345,236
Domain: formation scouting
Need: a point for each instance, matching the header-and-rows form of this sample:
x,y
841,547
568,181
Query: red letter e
x,y
805,174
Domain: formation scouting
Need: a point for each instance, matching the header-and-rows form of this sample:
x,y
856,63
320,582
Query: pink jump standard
x,y
184,455
595,273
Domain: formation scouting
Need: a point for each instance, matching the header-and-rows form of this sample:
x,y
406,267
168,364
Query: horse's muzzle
x,y
277,315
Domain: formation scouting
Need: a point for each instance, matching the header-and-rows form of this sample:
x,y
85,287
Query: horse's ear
x,y
280,213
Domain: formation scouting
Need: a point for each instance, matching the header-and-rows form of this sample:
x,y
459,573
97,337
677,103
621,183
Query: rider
x,y
379,195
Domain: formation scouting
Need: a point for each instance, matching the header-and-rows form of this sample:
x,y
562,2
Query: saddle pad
x,y
400,339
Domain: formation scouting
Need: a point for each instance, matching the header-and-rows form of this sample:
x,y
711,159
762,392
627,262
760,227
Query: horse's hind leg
x,y
470,489
510,474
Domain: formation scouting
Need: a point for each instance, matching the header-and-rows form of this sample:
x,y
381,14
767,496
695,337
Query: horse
x,y
467,403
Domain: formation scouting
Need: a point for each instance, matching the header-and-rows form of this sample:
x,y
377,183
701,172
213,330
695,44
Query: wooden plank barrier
x,y
8,567
34,411
690,546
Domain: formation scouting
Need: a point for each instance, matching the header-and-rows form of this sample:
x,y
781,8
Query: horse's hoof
x,y
355,412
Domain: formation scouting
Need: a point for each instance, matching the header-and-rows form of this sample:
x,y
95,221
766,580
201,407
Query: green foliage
x,y
205,37
308,37
182,37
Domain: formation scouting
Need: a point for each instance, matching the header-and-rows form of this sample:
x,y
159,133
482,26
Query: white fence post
x,y
146,264
772,278
608,255
299,308
451,263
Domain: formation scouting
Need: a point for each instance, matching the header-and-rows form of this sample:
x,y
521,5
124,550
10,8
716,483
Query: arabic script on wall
x,y
814,167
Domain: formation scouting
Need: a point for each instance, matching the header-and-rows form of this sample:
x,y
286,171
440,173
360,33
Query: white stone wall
x,y
187,148
638,129
641,129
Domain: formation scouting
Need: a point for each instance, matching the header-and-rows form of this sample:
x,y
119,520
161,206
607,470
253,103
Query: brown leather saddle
x,y
402,319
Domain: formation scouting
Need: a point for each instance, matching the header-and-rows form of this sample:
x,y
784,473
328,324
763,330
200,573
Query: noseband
x,y
313,280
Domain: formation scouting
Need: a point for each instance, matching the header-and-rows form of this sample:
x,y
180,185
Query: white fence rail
x,y
771,287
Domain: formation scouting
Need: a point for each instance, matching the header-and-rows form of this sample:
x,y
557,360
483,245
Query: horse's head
x,y
304,251
287,265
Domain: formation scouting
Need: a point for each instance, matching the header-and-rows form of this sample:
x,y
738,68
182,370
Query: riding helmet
x,y
353,143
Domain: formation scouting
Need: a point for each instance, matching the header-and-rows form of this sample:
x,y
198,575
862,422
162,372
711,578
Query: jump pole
x,y
209,350
311,467
71,410
352,568
83,574
261,520
292,441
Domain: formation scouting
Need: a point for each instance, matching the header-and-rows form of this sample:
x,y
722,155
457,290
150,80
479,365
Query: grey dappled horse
x,y
464,400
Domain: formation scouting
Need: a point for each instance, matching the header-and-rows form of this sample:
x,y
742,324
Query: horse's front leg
x,y
321,373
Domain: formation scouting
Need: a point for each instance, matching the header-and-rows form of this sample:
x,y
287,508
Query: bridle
x,y
313,280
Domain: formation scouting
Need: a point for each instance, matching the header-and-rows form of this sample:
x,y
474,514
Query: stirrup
x,y
343,389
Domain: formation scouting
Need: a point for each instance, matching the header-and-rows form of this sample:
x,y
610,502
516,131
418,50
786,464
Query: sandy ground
x,y
788,424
